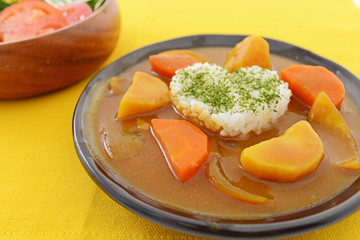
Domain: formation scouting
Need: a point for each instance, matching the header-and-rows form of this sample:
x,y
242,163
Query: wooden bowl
x,y
52,61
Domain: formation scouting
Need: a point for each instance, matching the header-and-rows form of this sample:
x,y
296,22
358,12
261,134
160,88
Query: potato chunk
x,y
286,158
253,50
146,94
325,113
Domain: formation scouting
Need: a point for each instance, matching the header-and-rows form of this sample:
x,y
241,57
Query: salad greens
x,y
58,3
94,4
3,5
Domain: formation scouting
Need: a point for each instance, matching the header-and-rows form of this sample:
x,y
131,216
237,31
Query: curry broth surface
x,y
136,157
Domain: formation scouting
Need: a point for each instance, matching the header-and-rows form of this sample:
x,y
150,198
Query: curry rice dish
x,y
132,147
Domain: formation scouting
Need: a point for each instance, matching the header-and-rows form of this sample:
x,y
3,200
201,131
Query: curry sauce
x,y
131,150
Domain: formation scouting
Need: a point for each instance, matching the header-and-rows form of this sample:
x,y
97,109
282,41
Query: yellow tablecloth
x,y
44,191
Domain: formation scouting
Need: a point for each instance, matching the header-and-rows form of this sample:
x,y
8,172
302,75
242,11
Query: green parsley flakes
x,y
232,104
246,89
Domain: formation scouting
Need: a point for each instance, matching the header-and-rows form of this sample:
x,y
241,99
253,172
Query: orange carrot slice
x,y
167,63
185,146
306,82
253,50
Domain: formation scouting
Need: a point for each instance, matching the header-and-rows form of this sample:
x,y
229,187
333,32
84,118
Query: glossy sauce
x,y
134,154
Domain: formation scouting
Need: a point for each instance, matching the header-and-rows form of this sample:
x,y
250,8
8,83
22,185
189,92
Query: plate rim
x,y
198,226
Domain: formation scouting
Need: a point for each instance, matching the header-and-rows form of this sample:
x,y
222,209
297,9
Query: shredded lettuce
x,y
58,3
3,5
94,4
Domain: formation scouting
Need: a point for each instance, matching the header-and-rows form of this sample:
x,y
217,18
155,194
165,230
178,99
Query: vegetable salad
x,y
24,19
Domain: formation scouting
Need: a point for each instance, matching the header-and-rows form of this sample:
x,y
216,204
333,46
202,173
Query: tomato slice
x,y
29,18
74,12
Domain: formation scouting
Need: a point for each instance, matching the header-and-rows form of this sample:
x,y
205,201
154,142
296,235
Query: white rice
x,y
232,104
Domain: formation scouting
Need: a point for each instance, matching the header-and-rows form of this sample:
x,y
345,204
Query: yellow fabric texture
x,y
45,193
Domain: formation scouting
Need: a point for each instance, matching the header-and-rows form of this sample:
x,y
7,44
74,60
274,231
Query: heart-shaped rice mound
x,y
232,104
